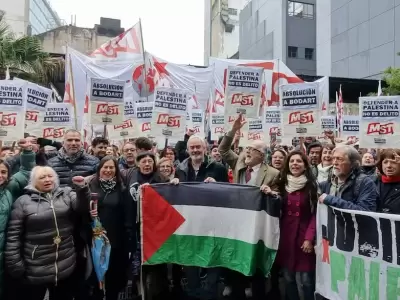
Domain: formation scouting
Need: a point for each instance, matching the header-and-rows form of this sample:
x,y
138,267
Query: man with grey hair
x,y
72,160
248,168
198,167
349,188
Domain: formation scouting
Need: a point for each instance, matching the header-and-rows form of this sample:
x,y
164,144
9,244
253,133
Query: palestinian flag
x,y
209,225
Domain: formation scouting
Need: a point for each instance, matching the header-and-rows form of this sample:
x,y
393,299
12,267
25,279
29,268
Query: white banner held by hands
x,y
12,109
106,101
350,127
217,126
57,120
301,110
380,122
243,91
143,116
37,99
169,113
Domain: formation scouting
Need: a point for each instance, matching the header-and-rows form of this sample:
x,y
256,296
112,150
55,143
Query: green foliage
x,y
25,58
392,78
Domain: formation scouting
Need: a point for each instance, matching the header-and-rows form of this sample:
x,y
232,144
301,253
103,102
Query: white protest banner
x,y
57,120
217,126
357,254
12,109
106,101
301,112
380,122
243,91
143,116
253,131
169,114
197,119
350,127
37,98
129,109
328,124
273,124
125,130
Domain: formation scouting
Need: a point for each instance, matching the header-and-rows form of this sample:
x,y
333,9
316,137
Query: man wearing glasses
x,y
249,168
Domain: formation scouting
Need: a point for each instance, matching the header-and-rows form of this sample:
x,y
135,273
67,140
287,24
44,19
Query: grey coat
x,y
32,252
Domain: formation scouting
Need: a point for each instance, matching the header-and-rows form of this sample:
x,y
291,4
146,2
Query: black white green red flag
x,y
210,225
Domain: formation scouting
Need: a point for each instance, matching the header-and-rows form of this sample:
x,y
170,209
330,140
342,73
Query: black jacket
x,y
85,166
115,214
185,171
388,200
31,251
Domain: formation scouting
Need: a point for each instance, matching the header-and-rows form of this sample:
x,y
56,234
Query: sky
x,y
173,30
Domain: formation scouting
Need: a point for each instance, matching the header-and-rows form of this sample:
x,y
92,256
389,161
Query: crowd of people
x,y
45,216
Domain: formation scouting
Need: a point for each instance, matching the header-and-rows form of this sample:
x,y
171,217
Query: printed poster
x,y
328,124
380,122
301,112
123,131
252,131
243,91
357,254
350,127
143,117
57,120
272,122
169,113
37,99
197,122
129,109
217,126
12,109
106,101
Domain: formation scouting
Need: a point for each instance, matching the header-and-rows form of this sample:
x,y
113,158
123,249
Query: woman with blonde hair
x,y
40,248
166,167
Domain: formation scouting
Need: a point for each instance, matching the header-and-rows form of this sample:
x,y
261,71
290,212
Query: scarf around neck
x,y
107,185
390,179
70,158
323,173
295,183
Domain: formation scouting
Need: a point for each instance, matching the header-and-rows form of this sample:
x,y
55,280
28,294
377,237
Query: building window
x,y
232,11
301,10
309,54
292,52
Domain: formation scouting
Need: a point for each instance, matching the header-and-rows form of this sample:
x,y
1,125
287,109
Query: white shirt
x,y
253,175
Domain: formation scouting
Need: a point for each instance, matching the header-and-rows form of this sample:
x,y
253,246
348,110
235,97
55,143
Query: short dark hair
x,y
100,140
144,143
313,145
117,171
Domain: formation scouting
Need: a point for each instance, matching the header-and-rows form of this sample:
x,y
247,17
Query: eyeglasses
x,y
253,149
129,150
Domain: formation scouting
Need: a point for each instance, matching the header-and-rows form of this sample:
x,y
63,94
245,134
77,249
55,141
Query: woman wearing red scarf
x,y
388,183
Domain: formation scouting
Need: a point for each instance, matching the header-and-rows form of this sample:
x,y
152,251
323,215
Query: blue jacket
x,y
357,193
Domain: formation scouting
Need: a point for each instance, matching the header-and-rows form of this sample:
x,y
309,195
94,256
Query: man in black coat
x,y
72,160
197,167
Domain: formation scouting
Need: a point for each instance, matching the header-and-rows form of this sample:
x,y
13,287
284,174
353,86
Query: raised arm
x,y
224,148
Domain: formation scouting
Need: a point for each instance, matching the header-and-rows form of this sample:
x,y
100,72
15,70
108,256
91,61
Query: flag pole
x,y
71,79
144,62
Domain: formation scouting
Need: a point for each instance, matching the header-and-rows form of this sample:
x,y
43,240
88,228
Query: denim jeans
x,y
307,282
199,286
